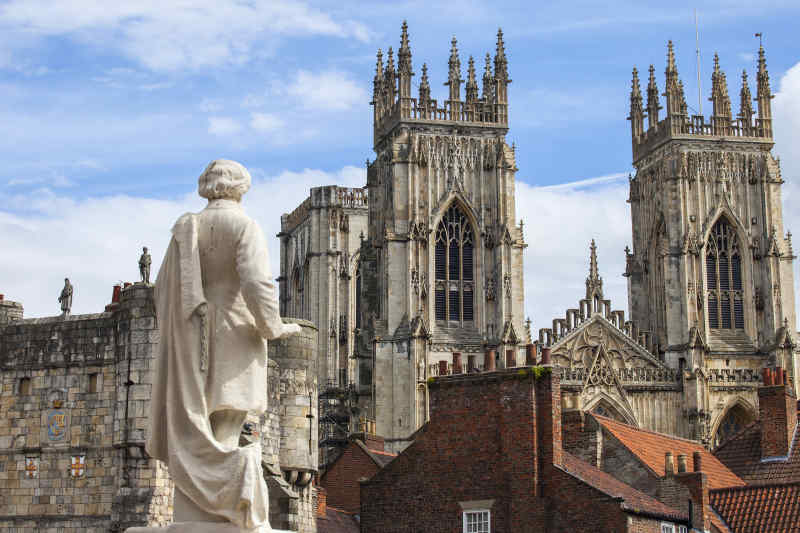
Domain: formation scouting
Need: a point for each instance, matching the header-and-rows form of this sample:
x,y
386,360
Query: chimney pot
x,y
765,376
456,362
697,457
511,360
545,356
115,294
488,362
669,465
443,368
471,364
530,354
1,297
128,284
682,462
780,376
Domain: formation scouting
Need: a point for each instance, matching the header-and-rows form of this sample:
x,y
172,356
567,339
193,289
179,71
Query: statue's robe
x,y
217,261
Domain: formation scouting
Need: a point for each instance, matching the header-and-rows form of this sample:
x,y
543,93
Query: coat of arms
x,y
78,466
57,424
31,467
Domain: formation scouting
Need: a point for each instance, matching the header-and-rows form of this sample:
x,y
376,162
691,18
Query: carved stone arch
x,y
738,414
608,406
744,293
464,204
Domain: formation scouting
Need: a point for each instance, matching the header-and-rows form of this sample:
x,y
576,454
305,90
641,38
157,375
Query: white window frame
x,y
666,527
683,529
477,512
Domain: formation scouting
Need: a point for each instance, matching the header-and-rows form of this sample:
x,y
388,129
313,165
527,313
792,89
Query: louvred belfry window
x,y
454,262
724,278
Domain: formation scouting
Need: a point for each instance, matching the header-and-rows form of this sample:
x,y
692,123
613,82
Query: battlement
x,y
393,103
678,124
327,196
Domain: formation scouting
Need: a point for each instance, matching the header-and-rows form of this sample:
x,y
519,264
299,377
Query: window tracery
x,y
724,278
454,260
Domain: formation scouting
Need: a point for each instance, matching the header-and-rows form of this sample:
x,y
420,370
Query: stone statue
x,y
217,305
144,266
65,299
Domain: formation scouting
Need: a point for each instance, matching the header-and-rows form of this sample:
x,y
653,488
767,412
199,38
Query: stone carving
x,y
197,409
507,285
144,266
65,299
491,293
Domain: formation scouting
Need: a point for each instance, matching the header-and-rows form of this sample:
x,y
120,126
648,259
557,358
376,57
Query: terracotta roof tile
x,y
650,448
634,500
742,454
337,521
758,509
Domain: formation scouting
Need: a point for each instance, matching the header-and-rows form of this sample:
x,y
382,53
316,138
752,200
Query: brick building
x,y
749,484
491,460
361,459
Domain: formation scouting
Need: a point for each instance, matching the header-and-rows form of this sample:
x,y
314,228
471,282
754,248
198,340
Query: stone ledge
x,y
203,527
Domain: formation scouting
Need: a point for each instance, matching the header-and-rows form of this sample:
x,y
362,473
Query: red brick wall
x,y
491,437
778,414
342,479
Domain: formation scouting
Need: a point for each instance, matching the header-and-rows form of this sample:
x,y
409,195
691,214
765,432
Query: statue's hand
x,y
290,329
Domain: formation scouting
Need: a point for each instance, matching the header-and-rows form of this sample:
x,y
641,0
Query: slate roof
x,y
650,448
633,500
742,454
759,509
337,521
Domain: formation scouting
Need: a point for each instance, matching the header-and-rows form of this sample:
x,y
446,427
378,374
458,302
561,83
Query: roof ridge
x,y
643,430
757,487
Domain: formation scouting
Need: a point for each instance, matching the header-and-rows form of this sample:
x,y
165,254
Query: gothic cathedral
x,y
421,272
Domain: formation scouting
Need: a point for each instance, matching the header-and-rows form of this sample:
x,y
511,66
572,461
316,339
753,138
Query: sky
x,y
111,110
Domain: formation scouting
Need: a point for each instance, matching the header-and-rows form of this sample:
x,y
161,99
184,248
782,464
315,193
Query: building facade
x,y
710,282
439,267
74,408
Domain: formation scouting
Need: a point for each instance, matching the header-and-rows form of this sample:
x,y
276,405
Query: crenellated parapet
x,y
393,102
679,124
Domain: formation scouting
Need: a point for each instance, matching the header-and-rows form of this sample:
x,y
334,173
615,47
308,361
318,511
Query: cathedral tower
x,y
441,266
710,274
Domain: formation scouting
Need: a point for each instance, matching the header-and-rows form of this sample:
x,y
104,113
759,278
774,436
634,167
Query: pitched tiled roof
x,y
633,499
742,454
650,448
759,509
381,458
337,521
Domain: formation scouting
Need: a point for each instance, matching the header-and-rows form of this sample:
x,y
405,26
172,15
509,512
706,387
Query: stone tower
x,y
441,266
710,275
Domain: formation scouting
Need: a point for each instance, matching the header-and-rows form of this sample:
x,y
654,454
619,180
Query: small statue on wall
x,y
144,266
65,299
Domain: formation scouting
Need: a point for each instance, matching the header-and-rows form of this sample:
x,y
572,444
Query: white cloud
x,y
560,221
223,126
176,35
747,56
265,122
96,242
786,123
330,90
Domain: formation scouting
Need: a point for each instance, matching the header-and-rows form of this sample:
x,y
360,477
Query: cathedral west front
x,y
419,273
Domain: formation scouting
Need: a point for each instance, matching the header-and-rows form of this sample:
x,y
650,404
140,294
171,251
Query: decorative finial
x,y
379,65
594,283
652,99
500,61
671,58
404,53
472,84
745,100
424,86
488,80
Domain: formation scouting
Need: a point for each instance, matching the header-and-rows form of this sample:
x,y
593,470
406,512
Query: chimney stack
x,y
456,362
681,463
777,412
545,356
669,465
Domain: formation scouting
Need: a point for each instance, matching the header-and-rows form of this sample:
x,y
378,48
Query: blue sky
x,y
112,111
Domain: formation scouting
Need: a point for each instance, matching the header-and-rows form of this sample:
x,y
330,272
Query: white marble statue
x,y
216,305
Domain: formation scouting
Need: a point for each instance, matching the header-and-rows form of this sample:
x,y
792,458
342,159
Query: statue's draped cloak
x,y
235,288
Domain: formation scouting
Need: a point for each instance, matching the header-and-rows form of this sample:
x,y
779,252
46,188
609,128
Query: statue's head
x,y
144,249
223,179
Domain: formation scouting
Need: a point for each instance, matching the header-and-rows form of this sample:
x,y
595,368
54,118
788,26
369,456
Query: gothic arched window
x,y
454,267
724,278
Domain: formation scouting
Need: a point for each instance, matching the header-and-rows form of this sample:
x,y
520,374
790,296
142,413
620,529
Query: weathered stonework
x,y
74,402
